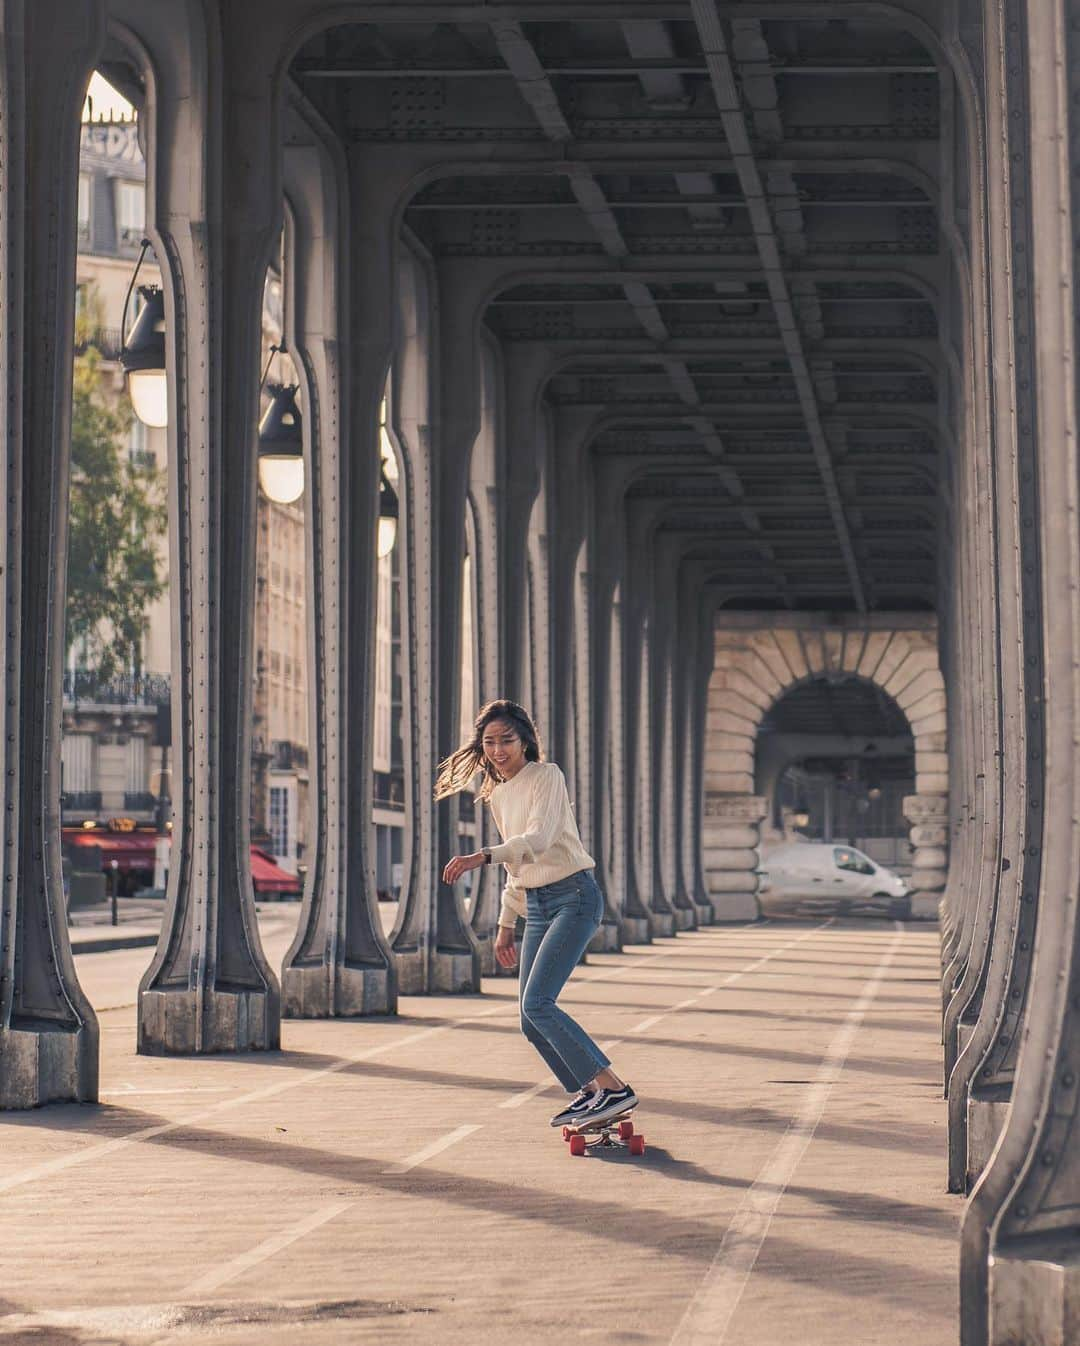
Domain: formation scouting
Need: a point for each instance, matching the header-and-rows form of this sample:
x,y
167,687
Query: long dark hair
x,y
460,767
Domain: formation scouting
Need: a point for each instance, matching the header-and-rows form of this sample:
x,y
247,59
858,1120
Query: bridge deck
x,y
397,1180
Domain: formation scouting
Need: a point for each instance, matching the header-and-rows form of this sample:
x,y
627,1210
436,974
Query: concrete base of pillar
x,y
1035,1294
48,1065
607,939
663,924
231,1021
685,919
485,947
985,1119
307,992
409,965
455,973
635,930
925,906
735,906
705,913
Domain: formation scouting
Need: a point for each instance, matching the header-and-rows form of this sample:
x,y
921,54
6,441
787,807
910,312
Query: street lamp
x,y
388,514
142,352
388,501
281,446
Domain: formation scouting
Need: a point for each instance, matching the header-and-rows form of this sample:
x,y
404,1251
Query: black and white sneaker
x,y
609,1103
575,1109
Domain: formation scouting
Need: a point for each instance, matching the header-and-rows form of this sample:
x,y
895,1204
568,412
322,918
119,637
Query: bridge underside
x,y
734,343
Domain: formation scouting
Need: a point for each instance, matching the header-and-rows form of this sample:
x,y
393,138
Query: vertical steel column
x,y
666,670
218,209
1019,1271
339,962
48,1032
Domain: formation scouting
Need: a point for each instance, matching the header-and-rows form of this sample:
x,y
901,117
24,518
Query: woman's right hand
x,y
505,952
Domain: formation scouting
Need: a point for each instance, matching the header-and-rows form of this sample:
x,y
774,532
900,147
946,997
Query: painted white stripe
x,y
131,1091
712,1308
731,977
516,1100
429,1151
268,1248
303,1078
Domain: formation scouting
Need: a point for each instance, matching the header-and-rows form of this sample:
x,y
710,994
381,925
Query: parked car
x,y
823,874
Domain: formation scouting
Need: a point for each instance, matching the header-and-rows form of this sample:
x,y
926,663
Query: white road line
x,y
645,1023
731,978
268,1248
429,1151
712,1308
132,1092
516,1100
302,1077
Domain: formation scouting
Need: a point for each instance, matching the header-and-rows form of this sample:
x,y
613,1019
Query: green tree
x,y
118,514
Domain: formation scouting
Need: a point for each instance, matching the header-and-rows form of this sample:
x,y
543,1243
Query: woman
x,y
549,882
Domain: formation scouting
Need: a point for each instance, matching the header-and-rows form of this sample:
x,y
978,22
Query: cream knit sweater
x,y
540,837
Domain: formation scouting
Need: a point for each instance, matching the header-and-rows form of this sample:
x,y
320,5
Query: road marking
x,y
131,1091
731,978
268,1248
303,1077
709,1314
429,1151
516,1100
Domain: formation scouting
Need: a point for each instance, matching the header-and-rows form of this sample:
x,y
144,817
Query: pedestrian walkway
x,y
396,1180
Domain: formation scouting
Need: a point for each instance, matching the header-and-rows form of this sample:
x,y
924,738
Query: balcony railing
x,y
288,756
139,801
106,340
140,689
81,801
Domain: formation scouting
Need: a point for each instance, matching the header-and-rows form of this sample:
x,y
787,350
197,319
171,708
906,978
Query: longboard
x,y
614,1133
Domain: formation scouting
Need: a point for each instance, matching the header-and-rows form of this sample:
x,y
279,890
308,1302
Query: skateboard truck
x,y
617,1133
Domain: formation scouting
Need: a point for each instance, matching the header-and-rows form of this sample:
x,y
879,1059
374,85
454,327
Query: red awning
x,y
268,878
135,850
130,850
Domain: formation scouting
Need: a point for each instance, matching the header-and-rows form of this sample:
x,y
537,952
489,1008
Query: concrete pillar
x,y
339,962
1019,1271
48,1032
731,835
928,815
209,987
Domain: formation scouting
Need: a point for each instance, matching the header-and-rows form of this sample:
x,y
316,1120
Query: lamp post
x,y
388,514
281,446
388,500
142,352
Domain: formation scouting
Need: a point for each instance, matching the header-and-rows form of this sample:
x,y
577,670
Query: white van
x,y
826,874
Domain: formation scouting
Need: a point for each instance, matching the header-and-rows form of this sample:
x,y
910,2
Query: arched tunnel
x,y
719,359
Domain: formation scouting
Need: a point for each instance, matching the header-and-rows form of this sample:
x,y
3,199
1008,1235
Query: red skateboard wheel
x,y
637,1144
626,1130
577,1144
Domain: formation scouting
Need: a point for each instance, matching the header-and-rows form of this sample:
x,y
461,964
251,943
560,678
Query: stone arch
x,y
760,657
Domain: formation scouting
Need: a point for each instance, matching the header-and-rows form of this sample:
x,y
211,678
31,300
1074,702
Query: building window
x,y
279,820
138,454
130,212
77,757
83,217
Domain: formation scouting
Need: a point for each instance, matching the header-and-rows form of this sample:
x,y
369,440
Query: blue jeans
x,y
562,919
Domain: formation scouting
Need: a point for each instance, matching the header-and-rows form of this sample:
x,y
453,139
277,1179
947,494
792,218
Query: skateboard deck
x,y
614,1133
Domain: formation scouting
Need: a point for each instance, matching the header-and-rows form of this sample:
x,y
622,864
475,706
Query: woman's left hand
x,y
461,864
